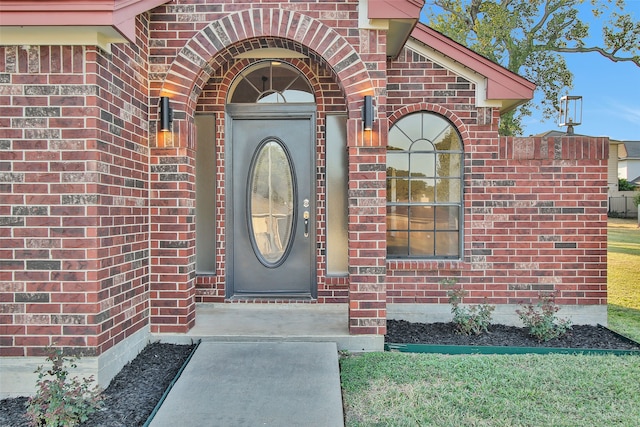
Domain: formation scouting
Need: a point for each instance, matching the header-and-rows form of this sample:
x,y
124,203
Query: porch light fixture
x,y
367,112
166,114
570,112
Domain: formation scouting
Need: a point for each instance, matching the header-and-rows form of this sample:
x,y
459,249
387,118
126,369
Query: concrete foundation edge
x,y
504,314
19,377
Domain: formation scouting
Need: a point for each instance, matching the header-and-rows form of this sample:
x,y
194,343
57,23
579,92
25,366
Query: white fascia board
x,y
444,61
101,36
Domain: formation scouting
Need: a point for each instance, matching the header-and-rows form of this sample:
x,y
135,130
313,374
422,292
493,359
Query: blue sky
x,y
610,93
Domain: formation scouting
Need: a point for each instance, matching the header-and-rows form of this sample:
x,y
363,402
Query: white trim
x,y
101,36
444,61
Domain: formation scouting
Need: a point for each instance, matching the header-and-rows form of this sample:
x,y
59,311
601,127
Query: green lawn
x,y
624,277
400,389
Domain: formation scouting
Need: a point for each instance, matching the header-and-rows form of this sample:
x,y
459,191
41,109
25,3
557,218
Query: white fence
x,y
622,207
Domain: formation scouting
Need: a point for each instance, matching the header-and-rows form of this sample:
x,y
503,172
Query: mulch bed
x,y
132,395
580,336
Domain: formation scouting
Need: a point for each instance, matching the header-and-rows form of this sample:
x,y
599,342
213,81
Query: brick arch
x,y
207,50
302,66
432,108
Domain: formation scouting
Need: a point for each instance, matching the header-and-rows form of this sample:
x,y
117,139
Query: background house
x,y
629,161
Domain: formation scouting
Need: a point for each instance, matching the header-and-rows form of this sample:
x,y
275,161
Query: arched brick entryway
x,y
173,272
192,67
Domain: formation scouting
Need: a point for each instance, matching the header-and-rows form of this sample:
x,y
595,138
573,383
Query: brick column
x,y
172,240
557,206
367,233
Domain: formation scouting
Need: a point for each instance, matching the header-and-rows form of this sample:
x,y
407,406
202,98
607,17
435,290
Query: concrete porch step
x,y
252,322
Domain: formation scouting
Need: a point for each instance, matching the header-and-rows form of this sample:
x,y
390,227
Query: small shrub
x,y
473,319
59,400
624,185
541,319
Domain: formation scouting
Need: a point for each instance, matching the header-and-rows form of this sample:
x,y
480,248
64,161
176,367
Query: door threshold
x,y
261,298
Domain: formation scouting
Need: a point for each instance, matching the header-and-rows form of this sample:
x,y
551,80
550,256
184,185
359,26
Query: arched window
x,y
424,188
270,82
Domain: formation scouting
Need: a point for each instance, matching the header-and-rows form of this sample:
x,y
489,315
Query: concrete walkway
x,y
257,384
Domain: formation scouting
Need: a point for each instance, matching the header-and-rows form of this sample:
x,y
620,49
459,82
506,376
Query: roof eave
x,y
112,20
503,86
402,17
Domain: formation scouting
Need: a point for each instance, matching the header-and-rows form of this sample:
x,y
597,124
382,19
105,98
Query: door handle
x,y
306,223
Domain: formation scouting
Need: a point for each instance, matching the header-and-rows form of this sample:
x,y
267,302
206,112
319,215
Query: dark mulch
x,y
132,394
580,336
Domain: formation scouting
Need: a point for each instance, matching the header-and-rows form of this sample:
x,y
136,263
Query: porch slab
x,y
256,384
240,322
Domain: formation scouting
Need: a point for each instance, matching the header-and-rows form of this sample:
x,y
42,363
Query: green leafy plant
x,y
61,400
541,318
624,185
471,319
636,198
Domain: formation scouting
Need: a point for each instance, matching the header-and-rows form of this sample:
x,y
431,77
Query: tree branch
x,y
542,19
601,51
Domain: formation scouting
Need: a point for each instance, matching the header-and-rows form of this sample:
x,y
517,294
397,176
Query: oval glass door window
x,y
271,203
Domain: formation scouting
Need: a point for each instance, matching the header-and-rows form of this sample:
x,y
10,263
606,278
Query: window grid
x,y
424,188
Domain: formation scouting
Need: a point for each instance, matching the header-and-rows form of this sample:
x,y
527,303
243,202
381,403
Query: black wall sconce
x,y
166,114
367,112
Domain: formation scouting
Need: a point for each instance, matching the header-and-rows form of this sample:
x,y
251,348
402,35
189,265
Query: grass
x,y
400,389
624,277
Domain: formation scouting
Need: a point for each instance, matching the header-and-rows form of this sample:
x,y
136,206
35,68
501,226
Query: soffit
x,y
501,87
398,17
71,22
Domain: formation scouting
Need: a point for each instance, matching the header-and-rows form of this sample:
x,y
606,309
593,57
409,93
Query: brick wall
x,y
191,50
535,220
73,191
97,214
367,248
535,209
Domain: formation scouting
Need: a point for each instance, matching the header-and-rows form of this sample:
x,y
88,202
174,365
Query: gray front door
x,y
270,182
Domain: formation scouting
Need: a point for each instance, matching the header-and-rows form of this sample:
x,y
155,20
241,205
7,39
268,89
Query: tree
x,y
530,37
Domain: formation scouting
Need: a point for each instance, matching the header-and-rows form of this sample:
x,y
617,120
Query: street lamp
x,y
570,112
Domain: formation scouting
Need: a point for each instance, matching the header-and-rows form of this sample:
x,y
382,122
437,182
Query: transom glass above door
x,y
270,82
